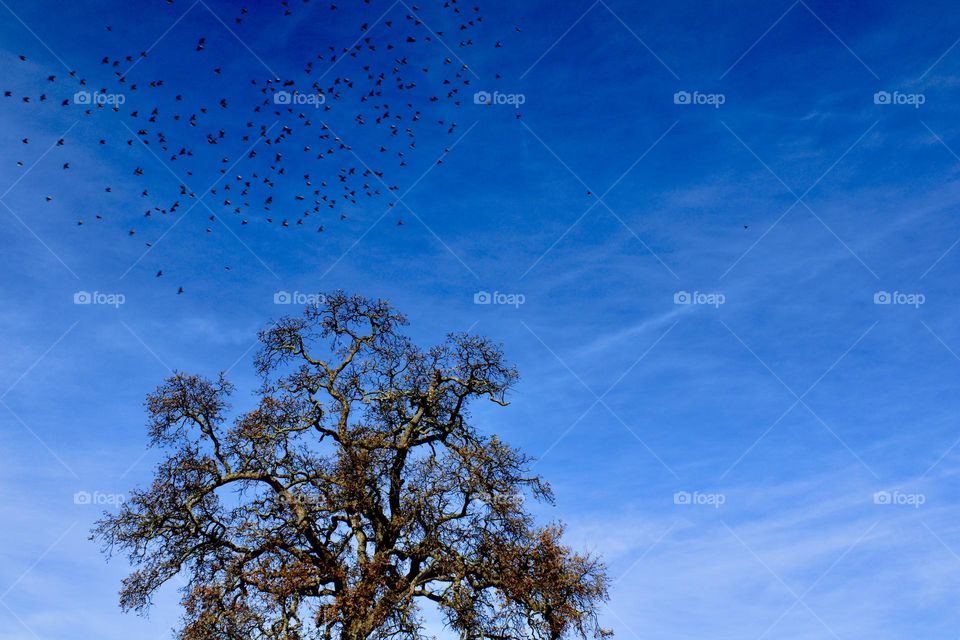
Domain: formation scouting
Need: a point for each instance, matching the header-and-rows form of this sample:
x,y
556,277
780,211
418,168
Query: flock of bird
x,y
269,147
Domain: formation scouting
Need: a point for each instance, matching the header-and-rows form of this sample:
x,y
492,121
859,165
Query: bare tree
x,y
356,491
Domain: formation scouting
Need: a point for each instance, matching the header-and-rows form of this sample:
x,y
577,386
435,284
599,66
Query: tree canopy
x,y
354,492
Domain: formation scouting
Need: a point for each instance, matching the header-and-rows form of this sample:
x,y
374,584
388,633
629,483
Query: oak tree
x,y
354,492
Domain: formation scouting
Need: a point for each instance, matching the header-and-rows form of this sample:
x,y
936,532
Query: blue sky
x,y
776,459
